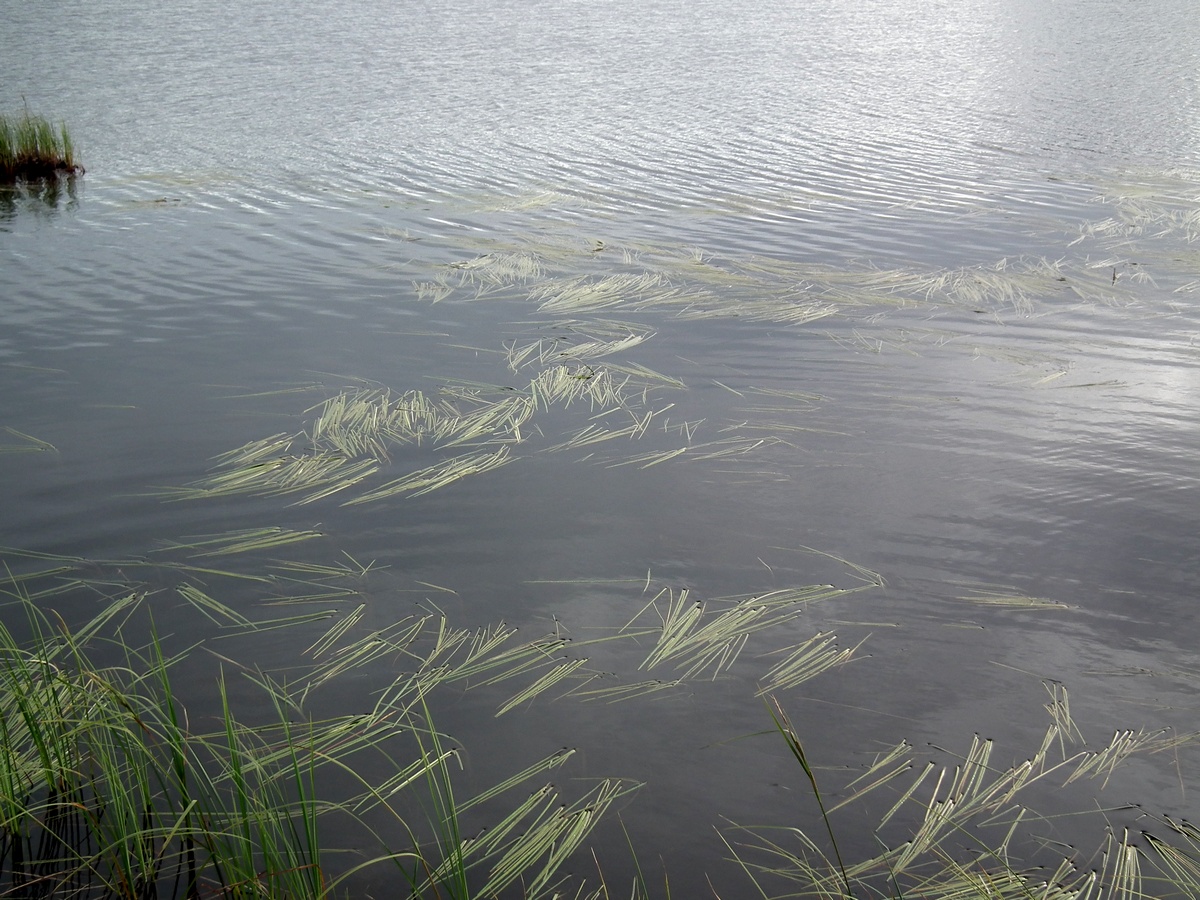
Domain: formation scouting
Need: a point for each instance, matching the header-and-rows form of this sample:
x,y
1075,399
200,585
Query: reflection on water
x,y
914,286
41,197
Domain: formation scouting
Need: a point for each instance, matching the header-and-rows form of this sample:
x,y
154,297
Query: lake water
x,y
907,285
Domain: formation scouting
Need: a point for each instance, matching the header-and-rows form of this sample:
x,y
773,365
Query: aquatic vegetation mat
x,y
26,443
587,316
359,434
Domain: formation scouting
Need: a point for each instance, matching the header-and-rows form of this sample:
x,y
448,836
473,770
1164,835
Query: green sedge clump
x,y
31,147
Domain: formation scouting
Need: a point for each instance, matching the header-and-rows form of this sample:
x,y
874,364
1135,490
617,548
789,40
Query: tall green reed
x,y
32,147
111,787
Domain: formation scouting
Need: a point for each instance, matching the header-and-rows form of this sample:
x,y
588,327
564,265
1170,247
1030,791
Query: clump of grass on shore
x,y
31,147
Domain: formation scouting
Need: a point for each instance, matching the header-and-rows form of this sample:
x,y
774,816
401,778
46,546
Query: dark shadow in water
x,y
40,197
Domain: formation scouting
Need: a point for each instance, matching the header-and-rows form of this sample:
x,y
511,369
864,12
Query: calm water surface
x,y
916,285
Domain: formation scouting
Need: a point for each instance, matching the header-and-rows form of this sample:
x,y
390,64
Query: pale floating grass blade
x,y
547,764
1123,871
583,294
484,650
593,434
351,476
245,541
693,644
1059,708
519,356
800,396
17,579
500,268
433,291
327,472
646,460
189,569
966,793
406,777
902,802
621,692
121,608
555,676
561,352
352,657
678,619
702,452
279,392
556,832
1011,600
686,430
397,639
954,881
260,626
785,598
564,385
694,640
217,612
898,756
1182,864
32,444
336,632
489,422
816,655
437,476
512,662
598,349
728,448
257,451
1102,763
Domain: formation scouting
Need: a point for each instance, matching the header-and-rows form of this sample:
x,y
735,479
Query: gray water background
x,y
268,184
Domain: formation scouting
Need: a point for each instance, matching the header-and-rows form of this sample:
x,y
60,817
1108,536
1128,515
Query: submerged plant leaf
x,y
30,443
1010,600
244,541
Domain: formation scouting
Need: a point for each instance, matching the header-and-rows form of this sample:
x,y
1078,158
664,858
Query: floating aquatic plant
x,y
963,828
354,434
1010,599
29,443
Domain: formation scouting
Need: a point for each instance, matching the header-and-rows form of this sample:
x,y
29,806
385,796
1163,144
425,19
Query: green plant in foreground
x,y
109,787
31,147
